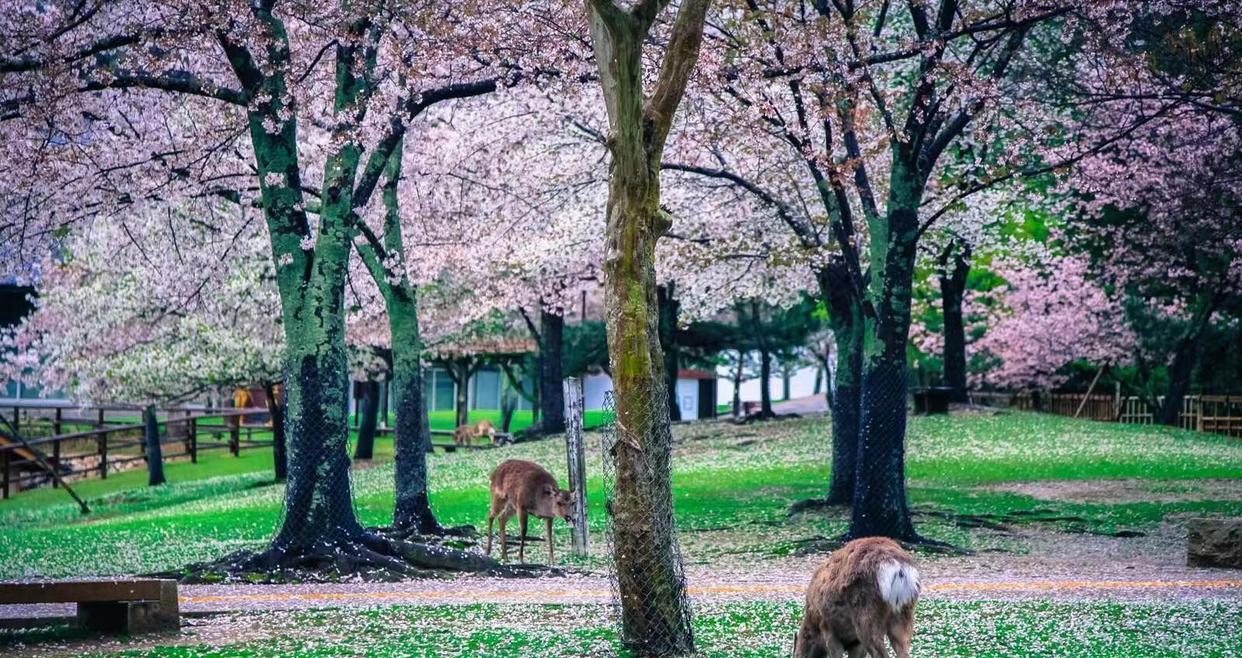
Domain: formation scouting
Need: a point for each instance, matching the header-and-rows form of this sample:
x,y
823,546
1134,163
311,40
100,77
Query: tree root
x,y
814,505
363,557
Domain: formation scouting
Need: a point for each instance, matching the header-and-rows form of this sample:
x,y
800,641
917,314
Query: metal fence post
x,y
575,450
4,472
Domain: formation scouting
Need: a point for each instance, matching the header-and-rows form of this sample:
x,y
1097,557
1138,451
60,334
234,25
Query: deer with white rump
x,y
525,489
864,592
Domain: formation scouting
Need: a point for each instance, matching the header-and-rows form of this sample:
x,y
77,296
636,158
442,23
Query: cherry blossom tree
x,y
292,107
156,307
653,611
1050,314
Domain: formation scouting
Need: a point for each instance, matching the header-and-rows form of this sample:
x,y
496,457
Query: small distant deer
x,y
866,590
465,434
525,489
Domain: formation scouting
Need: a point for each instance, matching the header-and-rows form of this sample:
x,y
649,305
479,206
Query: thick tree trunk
x,y
655,615
318,508
155,452
880,504
668,342
954,268
845,314
276,407
368,412
412,432
551,393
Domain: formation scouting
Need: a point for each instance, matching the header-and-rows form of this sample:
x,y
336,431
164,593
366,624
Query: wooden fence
x,y
96,445
1216,414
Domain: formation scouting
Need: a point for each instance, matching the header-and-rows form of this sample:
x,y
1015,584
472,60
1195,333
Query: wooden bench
x,y
117,606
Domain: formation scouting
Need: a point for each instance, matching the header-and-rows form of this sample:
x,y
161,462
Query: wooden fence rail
x,y
1216,414
110,446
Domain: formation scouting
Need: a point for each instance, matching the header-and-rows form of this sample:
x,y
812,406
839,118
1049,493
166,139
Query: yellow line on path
x,y
555,594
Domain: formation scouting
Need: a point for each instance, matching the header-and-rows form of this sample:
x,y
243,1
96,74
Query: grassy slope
x,y
747,630
726,478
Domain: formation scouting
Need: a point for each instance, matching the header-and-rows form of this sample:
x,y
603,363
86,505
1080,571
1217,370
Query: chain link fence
x,y
647,576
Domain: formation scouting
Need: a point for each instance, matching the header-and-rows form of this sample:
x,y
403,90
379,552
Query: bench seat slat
x,y
92,591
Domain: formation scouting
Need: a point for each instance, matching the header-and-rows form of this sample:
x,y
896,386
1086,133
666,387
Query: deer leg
x,y
491,517
522,536
504,538
900,630
548,522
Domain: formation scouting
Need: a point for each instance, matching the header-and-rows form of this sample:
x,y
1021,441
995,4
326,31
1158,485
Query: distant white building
x,y
696,392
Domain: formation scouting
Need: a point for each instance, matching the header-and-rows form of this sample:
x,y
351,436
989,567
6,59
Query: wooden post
x,y
192,446
575,450
56,462
56,423
100,422
235,436
4,472
1090,389
103,452
17,419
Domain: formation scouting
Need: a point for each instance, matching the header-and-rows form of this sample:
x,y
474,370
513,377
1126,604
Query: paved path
x,y
204,599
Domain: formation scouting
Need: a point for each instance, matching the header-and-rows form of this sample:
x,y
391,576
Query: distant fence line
x,y
93,442
1215,414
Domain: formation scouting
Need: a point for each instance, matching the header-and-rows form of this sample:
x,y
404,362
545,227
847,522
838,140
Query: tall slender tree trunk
x,y
368,412
765,390
880,504
155,452
786,377
845,315
551,391
737,383
460,368
668,309
412,431
276,407
819,383
655,615
954,268
1185,358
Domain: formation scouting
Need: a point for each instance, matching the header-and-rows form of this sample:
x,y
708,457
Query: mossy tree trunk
x,y
551,358
654,612
412,430
845,316
880,505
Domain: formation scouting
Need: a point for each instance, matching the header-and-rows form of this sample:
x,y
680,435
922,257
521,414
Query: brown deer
x,y
465,434
866,590
525,489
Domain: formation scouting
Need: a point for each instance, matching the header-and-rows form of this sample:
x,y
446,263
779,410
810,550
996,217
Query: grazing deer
x,y
525,489
465,434
866,590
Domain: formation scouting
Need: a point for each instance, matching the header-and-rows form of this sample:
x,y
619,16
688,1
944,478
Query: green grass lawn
x,y
726,478
946,629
